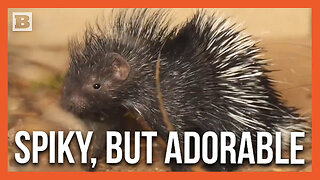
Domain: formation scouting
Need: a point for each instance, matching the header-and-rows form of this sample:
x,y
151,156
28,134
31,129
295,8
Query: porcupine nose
x,y
77,103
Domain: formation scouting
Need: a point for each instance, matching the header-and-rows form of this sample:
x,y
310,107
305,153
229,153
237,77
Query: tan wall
x,y
55,26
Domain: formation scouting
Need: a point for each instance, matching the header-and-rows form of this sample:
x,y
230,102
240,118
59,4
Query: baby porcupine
x,y
211,77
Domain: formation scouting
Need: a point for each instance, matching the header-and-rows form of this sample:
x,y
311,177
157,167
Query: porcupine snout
x,y
75,103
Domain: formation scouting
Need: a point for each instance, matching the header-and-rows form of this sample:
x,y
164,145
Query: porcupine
x,y
212,78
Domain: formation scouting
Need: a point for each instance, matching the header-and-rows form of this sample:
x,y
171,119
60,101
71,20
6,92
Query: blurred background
x,y
38,61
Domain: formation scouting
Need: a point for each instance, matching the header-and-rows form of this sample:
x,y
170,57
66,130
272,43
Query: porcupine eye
x,y
96,86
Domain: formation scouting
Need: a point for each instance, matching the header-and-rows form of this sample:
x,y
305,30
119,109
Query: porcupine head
x,y
110,70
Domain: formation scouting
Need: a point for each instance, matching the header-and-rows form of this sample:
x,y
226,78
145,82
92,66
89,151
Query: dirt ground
x,y
37,66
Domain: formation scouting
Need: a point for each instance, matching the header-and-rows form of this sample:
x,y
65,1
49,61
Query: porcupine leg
x,y
98,142
98,146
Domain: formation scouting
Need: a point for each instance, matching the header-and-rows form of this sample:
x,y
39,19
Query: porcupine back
x,y
216,80
213,78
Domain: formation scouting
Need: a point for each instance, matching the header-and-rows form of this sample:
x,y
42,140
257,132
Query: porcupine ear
x,y
120,67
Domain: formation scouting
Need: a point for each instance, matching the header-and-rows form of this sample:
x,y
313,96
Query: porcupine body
x,y
211,77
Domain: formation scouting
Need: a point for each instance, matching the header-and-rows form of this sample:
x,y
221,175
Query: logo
x,y
22,21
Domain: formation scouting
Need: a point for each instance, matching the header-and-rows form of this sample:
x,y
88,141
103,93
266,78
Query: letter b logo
x,y
22,21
